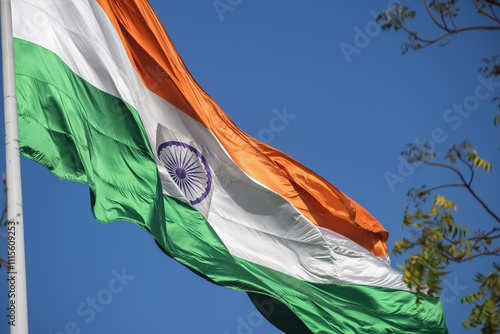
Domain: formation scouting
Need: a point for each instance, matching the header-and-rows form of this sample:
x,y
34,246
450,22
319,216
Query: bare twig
x,y
495,252
488,235
471,168
429,11
449,32
482,11
483,204
443,20
427,191
453,22
467,185
493,11
493,3
437,164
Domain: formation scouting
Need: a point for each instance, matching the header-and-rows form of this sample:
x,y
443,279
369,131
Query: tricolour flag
x,y
105,99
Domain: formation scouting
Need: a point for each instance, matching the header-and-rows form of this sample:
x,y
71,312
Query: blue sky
x,y
354,114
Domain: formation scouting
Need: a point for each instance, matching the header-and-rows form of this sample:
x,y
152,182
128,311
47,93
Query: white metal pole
x,y
18,301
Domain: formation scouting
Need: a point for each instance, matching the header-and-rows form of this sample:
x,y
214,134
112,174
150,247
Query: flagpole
x,y
18,302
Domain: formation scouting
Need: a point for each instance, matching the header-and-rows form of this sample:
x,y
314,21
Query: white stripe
x,y
255,223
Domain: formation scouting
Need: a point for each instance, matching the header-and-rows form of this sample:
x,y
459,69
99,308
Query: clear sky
x,y
354,114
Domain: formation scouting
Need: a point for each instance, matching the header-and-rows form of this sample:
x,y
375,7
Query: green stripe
x,y
83,134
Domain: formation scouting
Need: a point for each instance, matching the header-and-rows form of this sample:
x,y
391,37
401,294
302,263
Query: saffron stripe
x,y
162,71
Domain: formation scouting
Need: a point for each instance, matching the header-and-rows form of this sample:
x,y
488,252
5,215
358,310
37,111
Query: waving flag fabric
x,y
105,99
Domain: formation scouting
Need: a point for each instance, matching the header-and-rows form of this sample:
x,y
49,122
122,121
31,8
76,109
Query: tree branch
x,y
493,10
429,11
494,252
471,174
483,204
443,26
448,32
482,11
487,235
443,186
450,257
436,164
453,22
493,3
443,20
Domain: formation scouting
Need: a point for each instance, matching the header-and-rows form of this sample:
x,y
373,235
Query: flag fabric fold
x,y
105,99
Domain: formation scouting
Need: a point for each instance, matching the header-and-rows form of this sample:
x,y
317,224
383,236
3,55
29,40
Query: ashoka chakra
x,y
188,168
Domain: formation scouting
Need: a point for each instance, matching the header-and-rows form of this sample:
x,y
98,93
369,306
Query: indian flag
x,y
105,99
